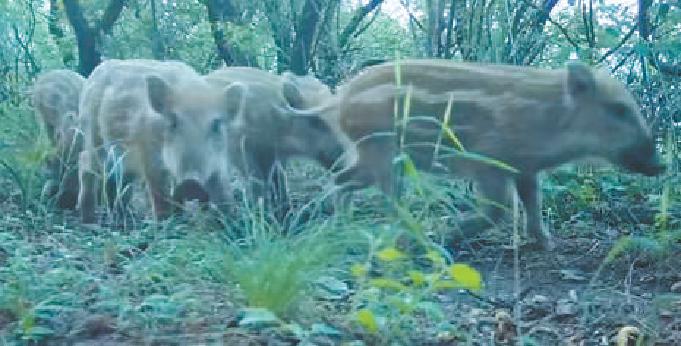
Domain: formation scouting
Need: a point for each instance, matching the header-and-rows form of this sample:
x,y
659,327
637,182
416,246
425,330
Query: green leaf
x,y
367,320
417,277
358,270
390,254
387,283
466,276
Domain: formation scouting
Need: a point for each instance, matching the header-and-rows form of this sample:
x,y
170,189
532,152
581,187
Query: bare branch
x,y
356,19
111,13
617,46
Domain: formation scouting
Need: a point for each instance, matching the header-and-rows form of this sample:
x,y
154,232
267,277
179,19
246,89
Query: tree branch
x,y
617,46
111,13
550,20
356,19
88,55
412,17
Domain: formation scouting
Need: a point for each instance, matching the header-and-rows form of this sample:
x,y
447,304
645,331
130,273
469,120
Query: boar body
x,y
277,121
531,119
55,98
162,121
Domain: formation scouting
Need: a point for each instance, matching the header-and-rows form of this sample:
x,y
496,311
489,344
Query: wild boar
x,y
163,122
531,119
277,121
55,98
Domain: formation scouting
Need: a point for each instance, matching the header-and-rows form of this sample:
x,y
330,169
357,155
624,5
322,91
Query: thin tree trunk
x,y
87,36
157,46
305,31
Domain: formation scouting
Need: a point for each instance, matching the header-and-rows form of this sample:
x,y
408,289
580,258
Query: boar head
x,y
309,133
192,125
276,121
606,118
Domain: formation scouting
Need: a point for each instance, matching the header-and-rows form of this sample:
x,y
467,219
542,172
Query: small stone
x,y
325,330
676,287
573,275
573,295
666,314
538,299
647,278
257,318
354,343
612,232
332,288
566,308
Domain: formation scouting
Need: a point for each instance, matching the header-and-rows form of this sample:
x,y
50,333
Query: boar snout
x,y
189,190
642,158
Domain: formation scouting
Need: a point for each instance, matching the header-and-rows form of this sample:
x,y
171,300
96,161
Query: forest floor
x,y
176,284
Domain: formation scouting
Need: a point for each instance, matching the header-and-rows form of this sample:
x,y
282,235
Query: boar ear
x,y
159,93
235,94
292,94
580,79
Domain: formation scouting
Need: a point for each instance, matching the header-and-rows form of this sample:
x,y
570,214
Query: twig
x,y
411,16
560,27
618,46
626,57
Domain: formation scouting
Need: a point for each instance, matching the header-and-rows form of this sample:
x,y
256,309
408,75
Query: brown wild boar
x,y
275,124
166,124
55,98
531,119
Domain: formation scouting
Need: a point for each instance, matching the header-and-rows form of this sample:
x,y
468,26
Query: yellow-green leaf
x,y
445,284
411,172
366,319
447,129
358,270
387,283
390,254
417,277
466,276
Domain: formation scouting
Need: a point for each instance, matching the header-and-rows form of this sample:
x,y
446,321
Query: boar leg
x,y
493,195
373,166
493,189
157,186
87,197
62,187
67,196
276,189
118,194
530,195
376,163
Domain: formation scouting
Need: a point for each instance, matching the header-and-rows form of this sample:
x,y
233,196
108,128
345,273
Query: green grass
x,y
273,268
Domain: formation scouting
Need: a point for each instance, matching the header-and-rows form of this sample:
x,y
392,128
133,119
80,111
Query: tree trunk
x,y
87,36
215,18
306,30
157,47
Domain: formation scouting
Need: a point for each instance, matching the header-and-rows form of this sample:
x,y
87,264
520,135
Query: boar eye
x,y
619,110
215,126
172,118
